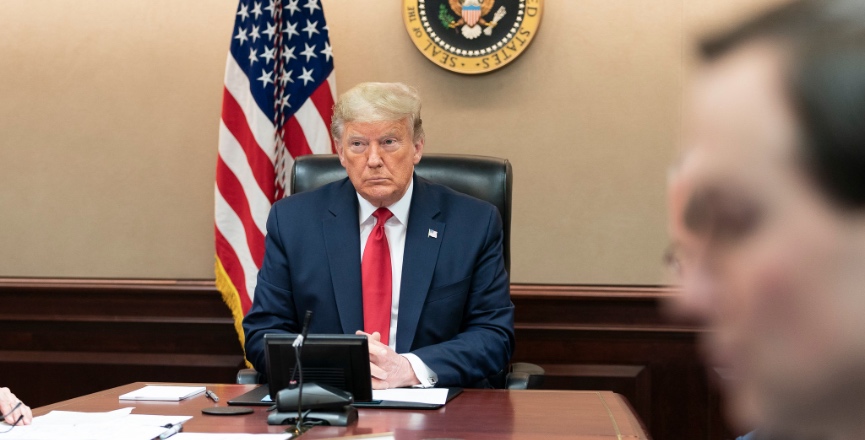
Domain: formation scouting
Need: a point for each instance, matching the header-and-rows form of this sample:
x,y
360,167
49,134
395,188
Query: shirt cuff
x,y
424,374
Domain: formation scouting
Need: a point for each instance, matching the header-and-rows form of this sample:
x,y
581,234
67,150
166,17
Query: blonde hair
x,y
375,102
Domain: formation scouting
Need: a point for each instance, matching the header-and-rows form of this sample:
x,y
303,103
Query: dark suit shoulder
x,y
317,199
455,200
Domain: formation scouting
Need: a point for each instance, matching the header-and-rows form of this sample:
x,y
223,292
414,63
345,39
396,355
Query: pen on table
x,y
172,429
211,395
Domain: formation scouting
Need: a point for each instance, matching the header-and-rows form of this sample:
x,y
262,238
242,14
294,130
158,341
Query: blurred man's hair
x,y
825,44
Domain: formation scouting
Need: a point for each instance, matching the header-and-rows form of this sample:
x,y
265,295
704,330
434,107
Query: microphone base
x,y
335,417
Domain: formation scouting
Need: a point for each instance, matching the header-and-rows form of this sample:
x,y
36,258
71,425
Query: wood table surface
x,y
474,414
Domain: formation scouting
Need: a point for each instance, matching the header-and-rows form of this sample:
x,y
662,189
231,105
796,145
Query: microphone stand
x,y
298,348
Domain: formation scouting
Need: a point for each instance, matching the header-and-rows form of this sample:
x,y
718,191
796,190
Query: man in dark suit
x,y
417,267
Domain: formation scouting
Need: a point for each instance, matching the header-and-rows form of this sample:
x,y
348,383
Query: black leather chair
x,y
482,177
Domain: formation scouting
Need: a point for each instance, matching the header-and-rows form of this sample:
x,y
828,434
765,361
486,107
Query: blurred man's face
x,y
379,158
776,272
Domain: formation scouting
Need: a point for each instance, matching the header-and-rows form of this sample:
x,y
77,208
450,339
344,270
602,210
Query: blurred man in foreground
x,y
767,217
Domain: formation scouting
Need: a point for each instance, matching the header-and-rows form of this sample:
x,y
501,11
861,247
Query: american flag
x,y
276,105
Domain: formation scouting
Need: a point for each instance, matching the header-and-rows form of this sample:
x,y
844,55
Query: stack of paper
x,y
119,424
163,392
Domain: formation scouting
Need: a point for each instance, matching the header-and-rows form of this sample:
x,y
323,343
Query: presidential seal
x,y
472,36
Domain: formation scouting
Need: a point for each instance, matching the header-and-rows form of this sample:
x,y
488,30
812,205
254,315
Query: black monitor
x,y
341,361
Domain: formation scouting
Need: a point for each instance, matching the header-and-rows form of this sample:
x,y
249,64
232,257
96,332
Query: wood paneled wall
x,y
63,338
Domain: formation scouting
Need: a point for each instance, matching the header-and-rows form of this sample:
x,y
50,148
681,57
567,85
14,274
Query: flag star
x,y
253,56
254,34
283,102
265,78
243,12
312,5
306,76
290,29
328,51
309,52
311,28
256,10
270,31
285,77
241,35
292,7
288,53
271,7
269,54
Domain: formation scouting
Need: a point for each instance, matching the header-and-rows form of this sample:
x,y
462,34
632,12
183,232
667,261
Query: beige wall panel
x,y
109,117
108,126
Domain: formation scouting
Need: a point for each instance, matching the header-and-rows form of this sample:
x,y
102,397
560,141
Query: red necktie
x,y
376,279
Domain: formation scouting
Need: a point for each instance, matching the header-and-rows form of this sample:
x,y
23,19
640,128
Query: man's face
x,y
379,158
775,270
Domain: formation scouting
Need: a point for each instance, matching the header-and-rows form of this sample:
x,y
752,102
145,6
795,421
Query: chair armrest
x,y
525,376
249,376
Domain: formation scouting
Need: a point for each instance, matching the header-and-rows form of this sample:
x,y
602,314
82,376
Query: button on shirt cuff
x,y
424,374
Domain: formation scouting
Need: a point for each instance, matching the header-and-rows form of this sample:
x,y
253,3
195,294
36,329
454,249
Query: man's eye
x,y
737,223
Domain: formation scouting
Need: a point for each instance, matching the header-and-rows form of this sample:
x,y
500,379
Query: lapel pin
x,y
433,234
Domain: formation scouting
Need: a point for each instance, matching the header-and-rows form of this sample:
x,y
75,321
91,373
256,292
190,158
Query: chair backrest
x,y
482,177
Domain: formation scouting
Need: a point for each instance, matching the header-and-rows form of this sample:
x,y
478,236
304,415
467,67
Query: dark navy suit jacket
x,y
455,311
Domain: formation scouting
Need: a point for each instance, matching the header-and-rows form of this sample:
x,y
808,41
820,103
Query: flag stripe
x,y
261,126
232,267
322,98
295,141
231,228
233,120
232,192
314,129
258,199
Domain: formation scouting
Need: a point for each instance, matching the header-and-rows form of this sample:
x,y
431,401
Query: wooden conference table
x,y
475,414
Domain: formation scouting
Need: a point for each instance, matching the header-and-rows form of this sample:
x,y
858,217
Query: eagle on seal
x,y
471,13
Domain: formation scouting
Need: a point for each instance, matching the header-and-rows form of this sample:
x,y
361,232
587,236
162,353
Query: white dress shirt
x,y
395,229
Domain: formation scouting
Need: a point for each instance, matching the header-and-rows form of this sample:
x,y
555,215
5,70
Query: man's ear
x,y
418,150
340,152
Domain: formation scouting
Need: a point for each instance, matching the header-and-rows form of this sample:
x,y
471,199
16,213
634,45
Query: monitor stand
x,y
332,417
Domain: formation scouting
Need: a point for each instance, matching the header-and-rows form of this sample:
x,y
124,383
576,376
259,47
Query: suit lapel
x,y
342,240
419,260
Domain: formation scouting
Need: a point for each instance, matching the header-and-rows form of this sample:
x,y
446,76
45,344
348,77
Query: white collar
x,y
399,209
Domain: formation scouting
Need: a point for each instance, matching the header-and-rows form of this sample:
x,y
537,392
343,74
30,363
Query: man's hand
x,y
388,369
8,401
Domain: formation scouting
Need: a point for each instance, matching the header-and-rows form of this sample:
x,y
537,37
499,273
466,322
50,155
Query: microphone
x,y
298,342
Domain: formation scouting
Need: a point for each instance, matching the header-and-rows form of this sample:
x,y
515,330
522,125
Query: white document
x,y
70,425
163,392
436,396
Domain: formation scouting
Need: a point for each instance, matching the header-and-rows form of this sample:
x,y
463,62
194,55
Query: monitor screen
x,y
341,361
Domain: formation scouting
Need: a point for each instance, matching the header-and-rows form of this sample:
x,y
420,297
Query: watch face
x,y
472,36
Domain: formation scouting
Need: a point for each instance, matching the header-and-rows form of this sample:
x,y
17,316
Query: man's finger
x,y
28,415
377,372
375,336
13,416
378,384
